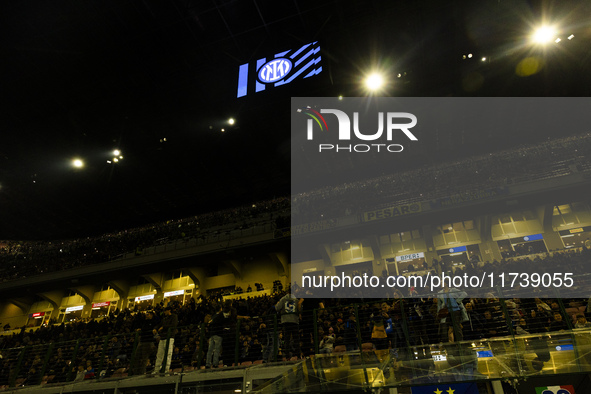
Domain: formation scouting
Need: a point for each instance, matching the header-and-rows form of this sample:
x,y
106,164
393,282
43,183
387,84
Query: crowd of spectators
x,y
94,348
20,259
533,162
79,348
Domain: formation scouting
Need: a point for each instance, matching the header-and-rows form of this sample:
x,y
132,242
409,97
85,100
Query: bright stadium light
x,y
116,152
77,163
374,82
544,35
231,121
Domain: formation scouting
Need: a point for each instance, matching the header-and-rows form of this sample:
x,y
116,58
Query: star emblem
x,y
450,391
438,391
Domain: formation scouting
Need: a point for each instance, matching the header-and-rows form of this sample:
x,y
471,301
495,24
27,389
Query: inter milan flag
x,y
567,389
459,388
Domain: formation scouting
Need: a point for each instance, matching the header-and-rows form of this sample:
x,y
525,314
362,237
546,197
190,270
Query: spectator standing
x,y
219,325
270,336
327,342
214,347
474,327
350,339
166,332
451,324
147,330
289,308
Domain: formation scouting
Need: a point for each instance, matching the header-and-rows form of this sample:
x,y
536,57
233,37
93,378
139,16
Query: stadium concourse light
x,y
77,163
544,35
231,121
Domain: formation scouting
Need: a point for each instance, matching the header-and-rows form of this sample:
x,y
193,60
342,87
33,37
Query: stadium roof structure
x,y
158,82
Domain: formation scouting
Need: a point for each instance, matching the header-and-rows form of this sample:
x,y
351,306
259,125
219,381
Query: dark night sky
x,y
82,78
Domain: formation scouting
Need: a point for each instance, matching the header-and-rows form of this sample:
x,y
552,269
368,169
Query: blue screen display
x,y
533,237
457,249
282,69
561,348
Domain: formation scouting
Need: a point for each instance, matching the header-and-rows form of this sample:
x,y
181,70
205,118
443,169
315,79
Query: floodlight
x,y
374,81
544,35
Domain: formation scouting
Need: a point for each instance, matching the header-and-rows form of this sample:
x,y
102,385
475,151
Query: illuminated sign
x,y
144,298
38,314
100,304
74,308
576,230
285,67
411,256
174,293
457,249
534,237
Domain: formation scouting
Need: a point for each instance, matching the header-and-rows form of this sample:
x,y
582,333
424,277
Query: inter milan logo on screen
x,y
274,70
282,69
